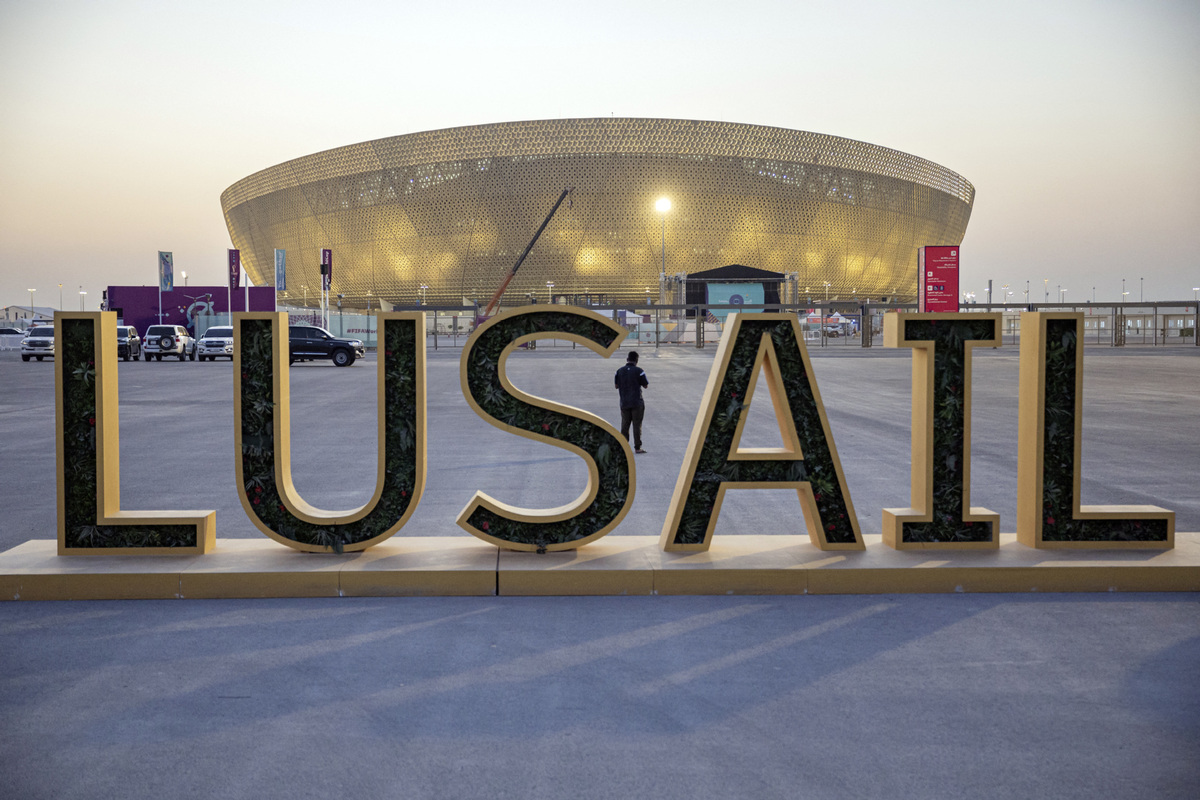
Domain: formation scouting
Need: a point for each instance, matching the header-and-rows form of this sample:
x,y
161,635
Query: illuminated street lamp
x,y
183,274
423,288
662,206
82,297
1195,296
60,308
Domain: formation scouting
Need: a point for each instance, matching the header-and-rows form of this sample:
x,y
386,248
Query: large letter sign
x,y
808,461
263,436
1049,513
941,516
609,491
90,519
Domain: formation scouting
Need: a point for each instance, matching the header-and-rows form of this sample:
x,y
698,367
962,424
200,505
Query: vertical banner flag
x,y
937,278
326,268
235,269
280,270
166,271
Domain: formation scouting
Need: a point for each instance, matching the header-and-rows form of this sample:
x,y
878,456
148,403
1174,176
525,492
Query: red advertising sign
x,y
937,282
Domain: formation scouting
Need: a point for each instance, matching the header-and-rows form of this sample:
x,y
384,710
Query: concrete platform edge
x,y
617,565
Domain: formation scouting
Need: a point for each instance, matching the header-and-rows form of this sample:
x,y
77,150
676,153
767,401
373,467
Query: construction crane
x,y
495,301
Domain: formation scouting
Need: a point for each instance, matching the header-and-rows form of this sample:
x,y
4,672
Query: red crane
x,y
495,301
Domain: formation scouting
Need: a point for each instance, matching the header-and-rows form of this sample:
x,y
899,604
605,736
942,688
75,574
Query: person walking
x,y
630,380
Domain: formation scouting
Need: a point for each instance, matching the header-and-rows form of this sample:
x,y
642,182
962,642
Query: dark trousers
x,y
633,415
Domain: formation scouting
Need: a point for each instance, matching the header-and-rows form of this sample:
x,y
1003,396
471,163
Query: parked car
x,y
129,344
215,342
10,338
168,340
38,343
306,343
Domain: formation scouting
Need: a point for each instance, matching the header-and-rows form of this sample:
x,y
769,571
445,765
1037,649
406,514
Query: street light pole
x,y
1141,290
1046,289
31,311
82,297
550,292
662,206
60,308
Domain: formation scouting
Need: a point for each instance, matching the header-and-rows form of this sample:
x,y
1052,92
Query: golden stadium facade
x,y
452,210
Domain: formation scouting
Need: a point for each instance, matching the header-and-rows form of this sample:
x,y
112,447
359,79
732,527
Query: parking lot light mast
x,y
82,297
60,308
31,291
662,206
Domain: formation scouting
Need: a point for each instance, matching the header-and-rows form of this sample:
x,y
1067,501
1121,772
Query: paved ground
x,y
885,696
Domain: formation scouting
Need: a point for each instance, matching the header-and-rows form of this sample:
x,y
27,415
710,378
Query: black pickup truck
x,y
308,343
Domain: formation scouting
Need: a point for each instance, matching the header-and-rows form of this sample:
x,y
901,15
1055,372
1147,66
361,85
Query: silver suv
x,y
168,340
38,343
214,342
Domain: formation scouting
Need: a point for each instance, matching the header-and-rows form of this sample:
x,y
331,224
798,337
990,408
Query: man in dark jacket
x,y
630,380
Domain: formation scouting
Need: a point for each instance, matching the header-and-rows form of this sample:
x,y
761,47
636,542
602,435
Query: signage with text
x,y
937,284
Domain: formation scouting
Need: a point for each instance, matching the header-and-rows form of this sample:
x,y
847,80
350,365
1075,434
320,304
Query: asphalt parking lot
x,y
881,696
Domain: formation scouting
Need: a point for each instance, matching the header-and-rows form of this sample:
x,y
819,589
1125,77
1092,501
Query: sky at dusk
x,y
1077,122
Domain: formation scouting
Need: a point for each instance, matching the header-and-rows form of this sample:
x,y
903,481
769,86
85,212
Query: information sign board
x,y
937,285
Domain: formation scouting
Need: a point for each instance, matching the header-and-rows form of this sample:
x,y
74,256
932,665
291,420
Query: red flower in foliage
x,y
733,395
281,508
1049,520
257,501
245,376
387,352
545,426
830,527
485,525
92,421
404,493
258,490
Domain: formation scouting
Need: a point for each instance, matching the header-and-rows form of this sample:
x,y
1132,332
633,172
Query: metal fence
x,y
822,324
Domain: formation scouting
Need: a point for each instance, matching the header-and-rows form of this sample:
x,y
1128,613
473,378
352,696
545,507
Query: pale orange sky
x,y
1077,122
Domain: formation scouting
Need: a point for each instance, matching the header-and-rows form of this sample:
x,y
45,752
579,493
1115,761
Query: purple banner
x,y
326,268
235,269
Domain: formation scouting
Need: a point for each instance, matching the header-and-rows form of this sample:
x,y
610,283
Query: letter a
x,y
807,462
